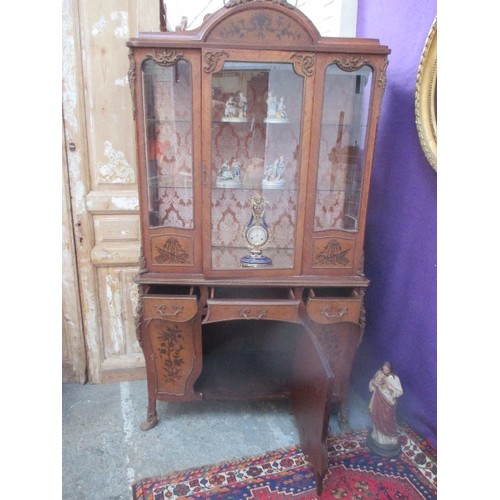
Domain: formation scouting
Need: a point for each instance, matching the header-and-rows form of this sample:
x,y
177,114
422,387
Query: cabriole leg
x,y
151,419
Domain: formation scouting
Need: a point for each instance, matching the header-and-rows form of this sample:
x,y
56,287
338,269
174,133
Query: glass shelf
x,y
255,122
267,192
167,121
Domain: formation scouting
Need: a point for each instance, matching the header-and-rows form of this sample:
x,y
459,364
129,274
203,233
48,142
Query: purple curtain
x,y
400,250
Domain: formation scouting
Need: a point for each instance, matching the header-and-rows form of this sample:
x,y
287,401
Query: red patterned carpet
x,y
354,472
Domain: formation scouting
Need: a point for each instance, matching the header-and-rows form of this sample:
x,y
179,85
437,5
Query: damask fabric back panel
x,y
169,133
228,226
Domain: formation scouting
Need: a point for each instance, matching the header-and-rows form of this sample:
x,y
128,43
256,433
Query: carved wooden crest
x,y
303,64
214,60
165,57
351,63
262,27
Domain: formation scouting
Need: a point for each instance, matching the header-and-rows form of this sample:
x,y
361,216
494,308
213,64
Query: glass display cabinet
x,y
255,139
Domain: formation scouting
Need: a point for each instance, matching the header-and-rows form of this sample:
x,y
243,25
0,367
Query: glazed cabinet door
x,y
255,107
347,99
167,96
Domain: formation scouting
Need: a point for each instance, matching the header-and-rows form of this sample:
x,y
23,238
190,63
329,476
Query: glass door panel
x,y
344,123
168,128
255,144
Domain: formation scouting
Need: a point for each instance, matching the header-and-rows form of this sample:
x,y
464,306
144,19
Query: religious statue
x,y
386,388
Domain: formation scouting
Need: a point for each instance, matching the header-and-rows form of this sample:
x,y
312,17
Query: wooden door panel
x,y
311,401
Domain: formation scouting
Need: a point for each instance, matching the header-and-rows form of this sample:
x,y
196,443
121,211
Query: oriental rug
x,y
354,473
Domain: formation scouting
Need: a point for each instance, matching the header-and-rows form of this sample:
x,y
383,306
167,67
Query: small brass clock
x,y
257,235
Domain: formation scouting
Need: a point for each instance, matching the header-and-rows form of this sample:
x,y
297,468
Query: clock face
x,y
257,236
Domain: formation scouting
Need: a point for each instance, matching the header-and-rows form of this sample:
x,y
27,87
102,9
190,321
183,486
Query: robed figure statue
x,y
386,388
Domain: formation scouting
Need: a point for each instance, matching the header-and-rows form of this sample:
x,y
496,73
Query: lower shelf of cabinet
x,y
245,375
247,359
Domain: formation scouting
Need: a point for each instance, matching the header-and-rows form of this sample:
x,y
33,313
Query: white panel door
x,y
101,183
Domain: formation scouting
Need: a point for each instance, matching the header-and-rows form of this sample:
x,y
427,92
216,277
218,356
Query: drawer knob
x,y
246,314
341,311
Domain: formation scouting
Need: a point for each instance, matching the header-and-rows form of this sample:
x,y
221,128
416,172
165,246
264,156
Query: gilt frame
x,y
426,98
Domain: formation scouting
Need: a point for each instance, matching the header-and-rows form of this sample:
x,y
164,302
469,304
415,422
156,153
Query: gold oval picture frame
x,y
426,98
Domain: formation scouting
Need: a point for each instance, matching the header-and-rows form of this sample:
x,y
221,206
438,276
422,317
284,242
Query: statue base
x,y
384,450
228,183
275,184
234,119
276,120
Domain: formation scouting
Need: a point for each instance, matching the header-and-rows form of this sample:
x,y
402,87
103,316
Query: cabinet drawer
x,y
226,309
174,308
325,311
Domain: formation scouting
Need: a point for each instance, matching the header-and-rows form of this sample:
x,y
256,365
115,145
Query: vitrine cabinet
x,y
255,141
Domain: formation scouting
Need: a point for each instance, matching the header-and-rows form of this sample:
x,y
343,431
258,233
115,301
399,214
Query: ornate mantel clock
x,y
257,235
254,101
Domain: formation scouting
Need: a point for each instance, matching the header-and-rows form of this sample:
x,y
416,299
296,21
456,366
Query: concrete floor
x,y
104,451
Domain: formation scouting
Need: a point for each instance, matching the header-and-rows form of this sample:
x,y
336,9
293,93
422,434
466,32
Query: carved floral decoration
x,y
214,60
172,252
263,25
333,254
165,57
351,63
303,64
170,349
